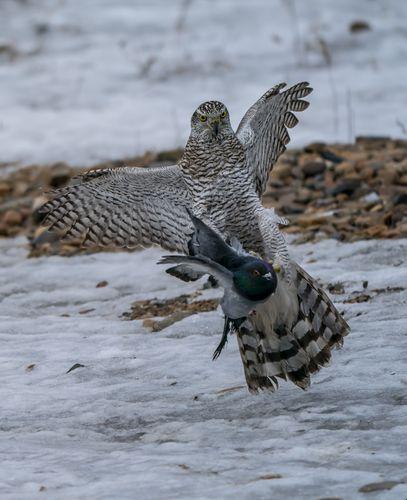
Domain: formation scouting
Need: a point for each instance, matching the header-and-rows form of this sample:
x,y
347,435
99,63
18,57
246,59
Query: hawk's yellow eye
x,y
202,118
223,114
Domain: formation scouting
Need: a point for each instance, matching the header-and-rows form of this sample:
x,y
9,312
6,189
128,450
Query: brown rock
x,y
283,171
307,220
389,174
400,199
60,174
5,188
312,168
21,187
12,218
376,231
344,168
304,195
315,147
292,208
380,486
347,186
102,284
403,180
359,26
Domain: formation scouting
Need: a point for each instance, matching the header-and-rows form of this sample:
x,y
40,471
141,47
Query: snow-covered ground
x,y
145,418
88,80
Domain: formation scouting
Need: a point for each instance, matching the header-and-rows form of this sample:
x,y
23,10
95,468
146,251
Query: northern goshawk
x,y
221,178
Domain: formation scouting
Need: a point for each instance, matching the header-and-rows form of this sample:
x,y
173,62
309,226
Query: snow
x,y
85,81
144,417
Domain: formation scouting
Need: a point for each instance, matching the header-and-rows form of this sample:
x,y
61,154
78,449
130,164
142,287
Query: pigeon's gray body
x,y
247,280
233,304
221,177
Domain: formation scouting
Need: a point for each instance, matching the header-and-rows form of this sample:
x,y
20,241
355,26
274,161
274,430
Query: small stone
x,y
376,231
292,209
376,165
358,298
149,323
346,186
307,220
315,147
380,486
30,368
102,284
359,26
312,168
86,311
371,198
331,156
336,288
12,218
403,180
345,168
268,476
389,175
400,199
60,174
283,171
5,188
304,195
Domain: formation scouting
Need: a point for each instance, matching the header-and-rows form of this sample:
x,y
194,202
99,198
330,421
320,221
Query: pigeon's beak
x,y
268,276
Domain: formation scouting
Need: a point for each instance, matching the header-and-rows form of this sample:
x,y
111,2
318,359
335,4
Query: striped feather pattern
x,y
124,208
292,334
263,129
291,350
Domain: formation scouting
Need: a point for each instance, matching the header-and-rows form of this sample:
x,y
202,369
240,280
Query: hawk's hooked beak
x,y
215,127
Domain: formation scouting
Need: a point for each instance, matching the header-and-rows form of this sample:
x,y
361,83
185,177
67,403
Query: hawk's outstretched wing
x,y
263,129
123,207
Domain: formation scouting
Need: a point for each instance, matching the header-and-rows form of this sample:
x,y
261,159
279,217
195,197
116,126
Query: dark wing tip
x,y
170,259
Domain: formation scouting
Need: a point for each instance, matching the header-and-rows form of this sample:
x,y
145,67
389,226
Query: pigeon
x,y
246,279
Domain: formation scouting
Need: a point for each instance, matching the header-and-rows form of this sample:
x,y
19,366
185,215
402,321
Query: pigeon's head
x,y
255,280
211,121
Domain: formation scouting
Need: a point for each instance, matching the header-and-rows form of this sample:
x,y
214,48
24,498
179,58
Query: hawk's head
x,y
211,121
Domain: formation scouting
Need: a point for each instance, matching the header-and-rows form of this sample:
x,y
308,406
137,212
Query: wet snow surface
x,y
144,417
83,81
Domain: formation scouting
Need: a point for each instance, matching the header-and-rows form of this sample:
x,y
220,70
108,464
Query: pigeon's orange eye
x,y
223,114
202,118
255,273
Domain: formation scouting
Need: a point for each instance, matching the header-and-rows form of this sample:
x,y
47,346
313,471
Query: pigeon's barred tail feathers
x,y
297,352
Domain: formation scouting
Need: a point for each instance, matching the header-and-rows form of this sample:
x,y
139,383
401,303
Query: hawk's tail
x,y
291,351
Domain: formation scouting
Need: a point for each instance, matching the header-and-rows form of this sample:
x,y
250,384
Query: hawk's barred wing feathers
x,y
123,207
263,129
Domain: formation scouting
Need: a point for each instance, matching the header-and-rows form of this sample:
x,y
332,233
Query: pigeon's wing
x,y
207,242
199,264
123,207
263,129
233,305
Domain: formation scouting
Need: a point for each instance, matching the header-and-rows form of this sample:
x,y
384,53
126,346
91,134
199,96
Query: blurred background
x,y
85,81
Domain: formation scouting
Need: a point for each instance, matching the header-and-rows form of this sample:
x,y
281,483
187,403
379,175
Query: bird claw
x,y
219,349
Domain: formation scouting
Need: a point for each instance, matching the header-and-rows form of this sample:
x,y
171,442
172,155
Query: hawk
x,y
220,178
